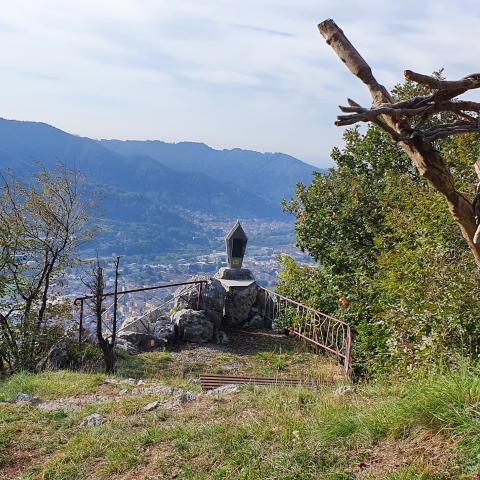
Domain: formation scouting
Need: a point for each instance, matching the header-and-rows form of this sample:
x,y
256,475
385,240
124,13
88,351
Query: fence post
x,y
80,323
200,289
348,353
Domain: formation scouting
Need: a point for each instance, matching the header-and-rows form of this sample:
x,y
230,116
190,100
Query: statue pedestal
x,y
235,277
241,293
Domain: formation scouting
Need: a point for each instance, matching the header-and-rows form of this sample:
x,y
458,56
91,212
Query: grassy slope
x,y
418,429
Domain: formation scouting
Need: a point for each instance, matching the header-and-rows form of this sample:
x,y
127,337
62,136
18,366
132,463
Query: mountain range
x,y
155,195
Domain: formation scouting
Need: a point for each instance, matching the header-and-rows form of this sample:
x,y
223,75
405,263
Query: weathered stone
x,y
221,337
194,381
226,273
186,296
343,390
193,326
213,296
138,341
157,390
224,390
145,333
123,345
26,398
187,397
152,406
215,317
93,420
163,329
256,322
211,299
238,303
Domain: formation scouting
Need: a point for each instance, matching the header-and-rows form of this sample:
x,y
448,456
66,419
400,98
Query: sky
x,y
252,74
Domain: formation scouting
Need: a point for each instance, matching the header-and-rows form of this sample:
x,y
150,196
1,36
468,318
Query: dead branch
x,y
403,121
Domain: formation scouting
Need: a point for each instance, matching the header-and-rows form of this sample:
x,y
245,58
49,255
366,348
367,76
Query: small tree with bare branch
x,y
409,124
95,282
42,224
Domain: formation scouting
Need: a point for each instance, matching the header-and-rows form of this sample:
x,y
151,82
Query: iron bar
x,y
144,289
316,328
117,295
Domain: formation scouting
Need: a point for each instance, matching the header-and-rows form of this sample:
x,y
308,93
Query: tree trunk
x,y
108,358
431,166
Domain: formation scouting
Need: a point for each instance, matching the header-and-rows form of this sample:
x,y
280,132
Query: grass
x,y
50,384
422,428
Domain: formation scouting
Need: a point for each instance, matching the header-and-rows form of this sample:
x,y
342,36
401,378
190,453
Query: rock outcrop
x,y
193,325
231,298
150,331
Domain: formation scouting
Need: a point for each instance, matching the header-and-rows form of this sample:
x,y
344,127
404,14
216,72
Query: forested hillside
x,y
156,204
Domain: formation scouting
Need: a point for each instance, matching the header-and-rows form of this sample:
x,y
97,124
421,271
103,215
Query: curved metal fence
x,y
315,328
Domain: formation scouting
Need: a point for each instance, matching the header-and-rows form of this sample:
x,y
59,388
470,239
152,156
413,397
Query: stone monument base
x,y
235,277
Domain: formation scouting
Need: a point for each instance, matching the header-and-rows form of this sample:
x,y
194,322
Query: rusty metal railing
x,y
80,301
314,327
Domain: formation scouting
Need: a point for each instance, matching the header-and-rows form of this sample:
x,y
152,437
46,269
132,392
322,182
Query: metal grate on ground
x,y
209,382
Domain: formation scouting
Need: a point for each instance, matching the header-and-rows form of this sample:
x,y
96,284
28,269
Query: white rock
x,y
152,406
187,397
224,390
343,390
93,420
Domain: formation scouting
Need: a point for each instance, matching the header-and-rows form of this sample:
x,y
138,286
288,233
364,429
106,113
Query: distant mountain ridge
x,y
268,175
154,189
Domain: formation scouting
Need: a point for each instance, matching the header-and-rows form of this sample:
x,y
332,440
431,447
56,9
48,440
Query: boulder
x,y
193,325
145,323
221,338
150,331
163,329
257,322
152,406
238,303
138,341
123,345
212,298
186,296
187,397
215,317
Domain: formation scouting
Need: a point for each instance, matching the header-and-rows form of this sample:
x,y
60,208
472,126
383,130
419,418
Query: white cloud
x,y
253,74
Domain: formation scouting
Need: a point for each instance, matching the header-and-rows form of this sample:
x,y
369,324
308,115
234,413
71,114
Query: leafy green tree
x,y
383,238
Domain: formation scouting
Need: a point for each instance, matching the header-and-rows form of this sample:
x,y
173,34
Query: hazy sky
x,y
246,73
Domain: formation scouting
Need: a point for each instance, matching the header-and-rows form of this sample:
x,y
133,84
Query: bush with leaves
x,y
385,240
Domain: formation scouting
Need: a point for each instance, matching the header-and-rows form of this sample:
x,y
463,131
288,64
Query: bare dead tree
x,y
408,124
95,282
